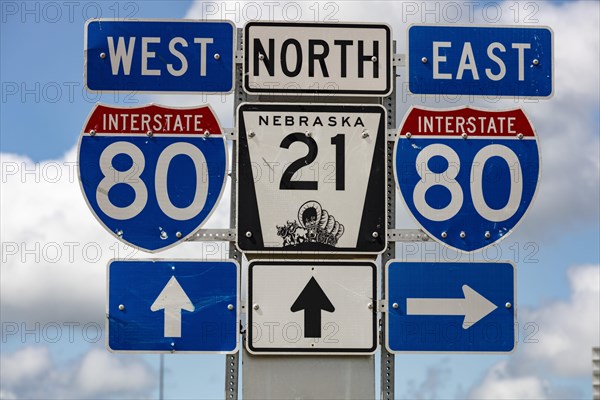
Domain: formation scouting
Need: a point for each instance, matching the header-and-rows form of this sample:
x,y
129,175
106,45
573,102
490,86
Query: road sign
x,y
450,307
152,175
309,58
164,306
307,307
480,61
311,178
466,175
147,55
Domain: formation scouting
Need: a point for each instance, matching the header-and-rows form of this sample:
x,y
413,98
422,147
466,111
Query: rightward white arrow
x,y
172,299
473,306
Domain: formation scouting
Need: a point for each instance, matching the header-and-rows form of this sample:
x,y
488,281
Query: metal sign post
x,y
311,376
314,316
387,360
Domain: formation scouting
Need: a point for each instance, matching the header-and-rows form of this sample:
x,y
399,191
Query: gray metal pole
x,y
387,359
232,361
161,384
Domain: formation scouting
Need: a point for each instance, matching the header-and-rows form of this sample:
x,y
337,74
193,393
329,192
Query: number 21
x,y
338,141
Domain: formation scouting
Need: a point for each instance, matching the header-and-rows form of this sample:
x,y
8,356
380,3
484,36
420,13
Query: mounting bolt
x,y
375,234
163,235
230,306
119,233
395,305
217,56
261,56
172,344
508,305
444,235
178,234
93,132
255,307
103,55
121,307
370,306
206,133
488,234
248,234
251,134
408,135
462,234
149,133
365,134
308,134
374,59
520,136
464,135
536,61
424,60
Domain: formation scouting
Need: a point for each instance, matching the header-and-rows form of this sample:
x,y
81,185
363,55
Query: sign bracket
x,y
230,133
399,60
210,235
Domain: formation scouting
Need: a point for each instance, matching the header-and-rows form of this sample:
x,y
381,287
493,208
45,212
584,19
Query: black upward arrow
x,y
312,300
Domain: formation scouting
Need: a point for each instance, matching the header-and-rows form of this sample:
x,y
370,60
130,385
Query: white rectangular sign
x,y
311,58
307,307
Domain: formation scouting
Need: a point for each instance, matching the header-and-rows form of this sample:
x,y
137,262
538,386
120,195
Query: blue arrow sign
x,y
159,55
165,306
450,307
481,61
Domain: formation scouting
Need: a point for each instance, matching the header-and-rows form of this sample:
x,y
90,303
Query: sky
x,y
54,252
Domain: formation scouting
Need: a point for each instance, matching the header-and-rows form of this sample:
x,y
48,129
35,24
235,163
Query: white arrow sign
x,y
172,299
473,306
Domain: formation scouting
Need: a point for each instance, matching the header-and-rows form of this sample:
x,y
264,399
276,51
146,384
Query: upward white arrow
x,y
172,299
473,306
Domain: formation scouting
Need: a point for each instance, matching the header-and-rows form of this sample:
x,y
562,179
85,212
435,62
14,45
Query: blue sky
x,y
43,106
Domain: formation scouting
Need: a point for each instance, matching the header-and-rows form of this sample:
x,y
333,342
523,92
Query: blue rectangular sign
x,y
173,306
461,307
480,61
182,56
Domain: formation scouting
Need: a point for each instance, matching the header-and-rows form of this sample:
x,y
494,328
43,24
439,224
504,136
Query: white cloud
x,y
32,372
499,383
567,329
561,347
101,371
27,363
